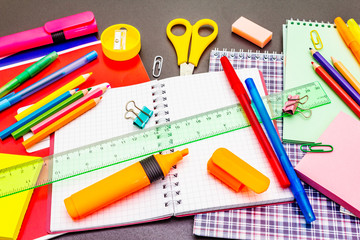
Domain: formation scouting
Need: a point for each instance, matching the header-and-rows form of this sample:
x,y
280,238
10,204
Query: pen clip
x,y
311,147
318,40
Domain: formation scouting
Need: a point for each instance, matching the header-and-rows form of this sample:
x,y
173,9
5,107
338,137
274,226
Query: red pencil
x,y
245,102
337,89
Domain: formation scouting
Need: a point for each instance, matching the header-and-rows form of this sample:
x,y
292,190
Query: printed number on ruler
x,y
142,143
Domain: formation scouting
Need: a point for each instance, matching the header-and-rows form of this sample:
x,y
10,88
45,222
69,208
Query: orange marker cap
x,y
235,172
344,31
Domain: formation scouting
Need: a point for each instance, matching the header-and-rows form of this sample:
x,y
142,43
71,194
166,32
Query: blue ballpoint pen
x,y
7,96
26,92
295,184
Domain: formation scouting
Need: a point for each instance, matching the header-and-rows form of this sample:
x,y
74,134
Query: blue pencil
x,y
7,132
295,184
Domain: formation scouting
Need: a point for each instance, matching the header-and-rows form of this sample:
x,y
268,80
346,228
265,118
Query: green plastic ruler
x,y
144,142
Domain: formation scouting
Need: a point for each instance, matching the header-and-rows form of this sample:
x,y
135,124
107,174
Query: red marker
x,y
337,89
245,102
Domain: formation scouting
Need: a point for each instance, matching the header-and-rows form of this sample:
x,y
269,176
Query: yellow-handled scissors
x,y
198,43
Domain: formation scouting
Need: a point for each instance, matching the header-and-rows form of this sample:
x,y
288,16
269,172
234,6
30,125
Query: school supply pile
x,y
183,131
116,73
277,220
297,41
171,99
200,111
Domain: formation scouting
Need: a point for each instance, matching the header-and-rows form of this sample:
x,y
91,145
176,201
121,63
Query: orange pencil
x,y
61,122
347,75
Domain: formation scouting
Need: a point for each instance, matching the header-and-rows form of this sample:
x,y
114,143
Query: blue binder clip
x,y
142,117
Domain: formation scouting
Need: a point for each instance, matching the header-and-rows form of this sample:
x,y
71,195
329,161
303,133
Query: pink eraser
x,y
251,32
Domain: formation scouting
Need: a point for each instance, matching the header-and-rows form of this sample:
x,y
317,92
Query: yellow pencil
x,y
71,85
347,75
61,122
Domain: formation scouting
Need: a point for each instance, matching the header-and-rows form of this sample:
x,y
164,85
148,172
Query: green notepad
x,y
298,71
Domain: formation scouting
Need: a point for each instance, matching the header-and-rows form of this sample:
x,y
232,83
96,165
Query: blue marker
x,y
17,97
6,132
7,96
295,184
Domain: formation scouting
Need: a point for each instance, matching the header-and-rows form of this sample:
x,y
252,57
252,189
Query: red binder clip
x,y
292,105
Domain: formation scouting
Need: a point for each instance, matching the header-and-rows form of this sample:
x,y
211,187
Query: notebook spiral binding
x,y
161,114
160,103
249,54
172,190
310,23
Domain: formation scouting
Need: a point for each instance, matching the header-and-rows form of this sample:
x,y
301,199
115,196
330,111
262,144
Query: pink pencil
x,y
93,94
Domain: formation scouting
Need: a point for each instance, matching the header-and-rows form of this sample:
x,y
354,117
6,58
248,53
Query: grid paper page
x,y
106,121
200,191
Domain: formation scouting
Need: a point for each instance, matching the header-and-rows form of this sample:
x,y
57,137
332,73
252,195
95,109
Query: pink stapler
x,y
52,32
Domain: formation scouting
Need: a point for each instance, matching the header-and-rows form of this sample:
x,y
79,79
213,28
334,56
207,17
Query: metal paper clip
x,y
158,61
318,40
120,39
292,105
316,145
142,117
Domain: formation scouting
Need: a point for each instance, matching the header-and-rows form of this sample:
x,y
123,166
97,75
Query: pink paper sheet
x,y
336,174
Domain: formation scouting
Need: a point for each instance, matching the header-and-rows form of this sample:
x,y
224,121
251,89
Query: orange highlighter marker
x,y
348,37
121,184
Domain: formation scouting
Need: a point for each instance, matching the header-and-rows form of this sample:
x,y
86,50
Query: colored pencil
x,y
92,94
336,76
7,132
46,81
26,128
73,84
337,89
346,73
60,123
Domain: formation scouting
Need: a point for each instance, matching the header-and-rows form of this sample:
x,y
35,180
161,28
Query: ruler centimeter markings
x,y
142,143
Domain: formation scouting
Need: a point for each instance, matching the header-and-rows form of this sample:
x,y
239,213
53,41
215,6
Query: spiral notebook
x,y
189,188
299,71
282,221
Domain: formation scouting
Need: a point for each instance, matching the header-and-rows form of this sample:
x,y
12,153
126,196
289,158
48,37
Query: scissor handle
x,y
180,43
199,43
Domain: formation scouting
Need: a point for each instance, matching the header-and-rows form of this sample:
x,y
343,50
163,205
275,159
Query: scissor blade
x,y
186,69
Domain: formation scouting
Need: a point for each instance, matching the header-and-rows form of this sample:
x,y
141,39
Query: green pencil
x,y
26,128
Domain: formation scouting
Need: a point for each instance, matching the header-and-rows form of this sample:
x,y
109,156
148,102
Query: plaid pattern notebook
x,y
284,221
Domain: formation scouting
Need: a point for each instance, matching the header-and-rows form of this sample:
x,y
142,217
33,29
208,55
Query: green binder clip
x,y
316,147
142,116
